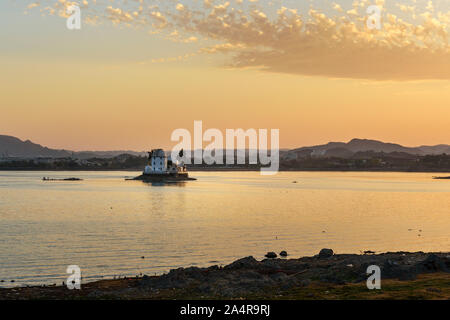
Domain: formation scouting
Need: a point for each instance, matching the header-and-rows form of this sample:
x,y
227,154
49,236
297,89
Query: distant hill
x,y
439,149
106,154
14,147
348,149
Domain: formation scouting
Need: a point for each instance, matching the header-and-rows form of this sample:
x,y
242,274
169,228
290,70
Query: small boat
x,y
65,179
442,178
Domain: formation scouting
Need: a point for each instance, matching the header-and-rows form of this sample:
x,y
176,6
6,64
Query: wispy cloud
x,y
413,43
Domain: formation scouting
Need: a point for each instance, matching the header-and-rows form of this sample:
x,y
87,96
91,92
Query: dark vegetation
x,y
361,161
369,161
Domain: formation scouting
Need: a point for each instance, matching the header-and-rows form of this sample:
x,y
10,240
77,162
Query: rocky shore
x,y
404,275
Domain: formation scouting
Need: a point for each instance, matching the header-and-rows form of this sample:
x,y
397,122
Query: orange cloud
x,y
312,44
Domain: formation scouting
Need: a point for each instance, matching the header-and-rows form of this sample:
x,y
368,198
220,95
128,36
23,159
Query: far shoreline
x,y
228,169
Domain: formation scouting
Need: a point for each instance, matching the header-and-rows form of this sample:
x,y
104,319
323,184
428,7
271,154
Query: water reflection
x,y
106,224
165,183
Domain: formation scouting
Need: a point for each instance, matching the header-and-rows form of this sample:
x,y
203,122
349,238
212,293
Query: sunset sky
x,y
137,70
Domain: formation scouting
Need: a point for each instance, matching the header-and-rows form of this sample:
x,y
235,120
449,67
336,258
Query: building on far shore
x,y
161,165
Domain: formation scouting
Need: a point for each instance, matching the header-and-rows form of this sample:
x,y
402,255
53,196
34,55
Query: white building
x,y
158,162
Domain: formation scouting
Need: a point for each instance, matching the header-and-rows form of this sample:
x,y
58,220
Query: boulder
x,y
325,253
432,263
393,270
244,263
270,265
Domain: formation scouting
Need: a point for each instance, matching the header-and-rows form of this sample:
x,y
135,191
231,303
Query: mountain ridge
x,y
362,145
11,146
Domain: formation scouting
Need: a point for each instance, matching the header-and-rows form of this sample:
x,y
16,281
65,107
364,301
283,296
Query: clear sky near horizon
x,y
139,69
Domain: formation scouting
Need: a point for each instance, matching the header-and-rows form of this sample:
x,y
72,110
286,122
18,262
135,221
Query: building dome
x,y
147,169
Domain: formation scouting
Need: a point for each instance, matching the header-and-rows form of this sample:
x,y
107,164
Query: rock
x,y
214,268
194,273
270,265
325,253
244,263
278,276
392,270
305,282
205,288
250,274
271,255
432,263
95,294
283,253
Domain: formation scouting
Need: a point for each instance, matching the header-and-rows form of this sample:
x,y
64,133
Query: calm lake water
x,y
105,224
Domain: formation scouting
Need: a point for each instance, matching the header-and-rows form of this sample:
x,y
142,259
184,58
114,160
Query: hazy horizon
x,y
145,149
